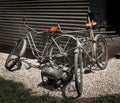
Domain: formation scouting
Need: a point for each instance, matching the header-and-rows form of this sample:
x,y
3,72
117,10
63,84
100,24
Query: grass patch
x,y
102,99
109,99
13,92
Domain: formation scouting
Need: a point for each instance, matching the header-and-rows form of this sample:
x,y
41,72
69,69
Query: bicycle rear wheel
x,y
101,51
14,57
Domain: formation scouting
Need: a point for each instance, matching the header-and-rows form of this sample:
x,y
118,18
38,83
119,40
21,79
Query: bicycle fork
x,y
80,52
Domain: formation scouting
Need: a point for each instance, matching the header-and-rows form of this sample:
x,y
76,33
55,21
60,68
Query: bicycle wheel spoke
x,y
67,43
67,55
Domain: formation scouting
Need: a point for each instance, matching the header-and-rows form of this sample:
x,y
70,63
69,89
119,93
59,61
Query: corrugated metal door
x,y
113,15
40,14
99,7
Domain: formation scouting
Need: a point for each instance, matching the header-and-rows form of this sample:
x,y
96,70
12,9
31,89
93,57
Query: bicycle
x,y
61,58
98,55
56,72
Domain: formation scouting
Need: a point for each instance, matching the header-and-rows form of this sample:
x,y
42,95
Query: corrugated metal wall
x,y
40,14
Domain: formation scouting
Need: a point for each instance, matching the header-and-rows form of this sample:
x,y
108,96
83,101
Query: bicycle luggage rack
x,y
106,32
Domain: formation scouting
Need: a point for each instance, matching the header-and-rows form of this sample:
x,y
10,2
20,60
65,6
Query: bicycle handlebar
x,y
30,27
77,31
59,27
60,30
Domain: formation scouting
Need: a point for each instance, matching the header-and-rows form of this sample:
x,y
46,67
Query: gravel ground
x,y
95,84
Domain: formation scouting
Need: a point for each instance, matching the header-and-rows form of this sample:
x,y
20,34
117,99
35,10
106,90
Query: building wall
x,y
40,14
113,16
99,6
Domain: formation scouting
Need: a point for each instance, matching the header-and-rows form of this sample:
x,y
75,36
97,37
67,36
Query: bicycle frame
x,y
81,49
37,53
79,46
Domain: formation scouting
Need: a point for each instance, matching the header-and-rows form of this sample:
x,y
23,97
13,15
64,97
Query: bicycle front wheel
x,y
78,73
101,51
62,54
14,57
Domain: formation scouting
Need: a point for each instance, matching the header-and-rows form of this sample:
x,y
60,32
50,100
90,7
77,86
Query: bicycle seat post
x,y
91,31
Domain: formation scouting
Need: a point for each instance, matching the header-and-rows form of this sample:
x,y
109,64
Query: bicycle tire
x,y
78,73
69,90
101,51
14,56
75,86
